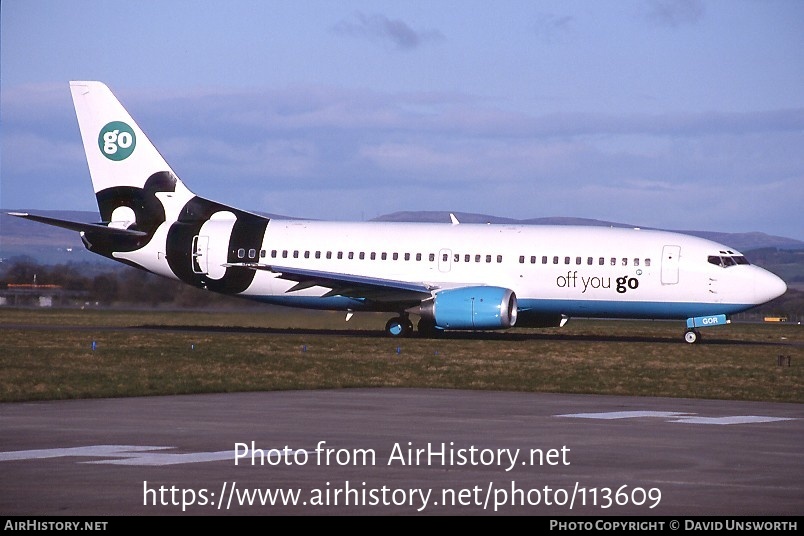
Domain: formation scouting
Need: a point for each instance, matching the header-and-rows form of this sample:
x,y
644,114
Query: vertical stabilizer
x,y
134,185
118,151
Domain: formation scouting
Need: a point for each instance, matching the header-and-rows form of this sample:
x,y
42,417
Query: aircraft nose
x,y
768,286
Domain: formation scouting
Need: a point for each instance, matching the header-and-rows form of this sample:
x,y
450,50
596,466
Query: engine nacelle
x,y
472,308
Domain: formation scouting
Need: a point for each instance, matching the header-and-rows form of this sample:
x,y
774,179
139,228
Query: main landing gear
x,y
399,326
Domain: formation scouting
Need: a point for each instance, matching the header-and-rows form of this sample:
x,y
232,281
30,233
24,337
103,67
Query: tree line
x,y
106,286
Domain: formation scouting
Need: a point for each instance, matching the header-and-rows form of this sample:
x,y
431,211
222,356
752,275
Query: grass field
x,y
48,354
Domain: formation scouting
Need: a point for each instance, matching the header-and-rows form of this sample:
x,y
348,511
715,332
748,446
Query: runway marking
x,y
122,455
164,458
737,419
95,451
677,417
624,414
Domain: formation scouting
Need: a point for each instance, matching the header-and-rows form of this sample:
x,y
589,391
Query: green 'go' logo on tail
x,y
117,141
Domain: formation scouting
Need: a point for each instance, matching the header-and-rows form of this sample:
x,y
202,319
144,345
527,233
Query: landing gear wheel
x,y
692,336
399,327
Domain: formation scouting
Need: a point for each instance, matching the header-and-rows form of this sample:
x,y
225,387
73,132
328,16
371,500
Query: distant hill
x,y
53,245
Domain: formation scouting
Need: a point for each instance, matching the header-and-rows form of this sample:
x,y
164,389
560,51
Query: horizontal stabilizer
x,y
101,228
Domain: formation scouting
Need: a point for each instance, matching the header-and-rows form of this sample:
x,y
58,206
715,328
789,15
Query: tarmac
x,y
401,452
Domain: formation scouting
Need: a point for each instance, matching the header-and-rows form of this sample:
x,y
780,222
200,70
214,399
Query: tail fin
x,y
138,192
127,171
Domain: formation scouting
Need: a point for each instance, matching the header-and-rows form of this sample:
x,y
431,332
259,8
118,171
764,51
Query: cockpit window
x,y
724,261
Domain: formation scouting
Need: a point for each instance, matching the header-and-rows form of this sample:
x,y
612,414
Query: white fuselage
x,y
575,271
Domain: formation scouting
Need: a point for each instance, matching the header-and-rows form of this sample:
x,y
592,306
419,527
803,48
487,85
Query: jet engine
x,y
471,308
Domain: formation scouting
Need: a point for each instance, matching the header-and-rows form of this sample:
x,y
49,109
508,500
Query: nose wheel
x,y
692,336
399,326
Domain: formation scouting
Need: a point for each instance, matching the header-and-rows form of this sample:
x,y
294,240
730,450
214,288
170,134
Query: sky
x,y
674,114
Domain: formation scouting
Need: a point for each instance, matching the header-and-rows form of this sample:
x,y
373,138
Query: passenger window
x,y
636,262
383,256
317,254
273,253
544,259
252,254
241,253
467,258
284,254
407,256
613,261
432,257
418,256
262,253
647,262
362,255
521,259
340,255
533,259
577,260
373,256
566,260
329,254
590,261
601,261
306,254
351,255
625,261
477,258
295,253
395,256
555,260
499,259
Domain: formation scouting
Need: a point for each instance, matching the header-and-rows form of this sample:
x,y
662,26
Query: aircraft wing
x,y
348,285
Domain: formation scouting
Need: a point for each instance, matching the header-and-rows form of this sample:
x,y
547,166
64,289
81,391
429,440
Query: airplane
x,y
453,276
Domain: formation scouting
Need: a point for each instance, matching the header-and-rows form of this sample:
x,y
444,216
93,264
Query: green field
x,y
48,354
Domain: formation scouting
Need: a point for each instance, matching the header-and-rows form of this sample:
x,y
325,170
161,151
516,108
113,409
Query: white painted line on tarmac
x,y
678,417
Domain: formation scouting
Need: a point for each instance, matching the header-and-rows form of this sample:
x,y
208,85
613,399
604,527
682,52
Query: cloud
x,y
675,13
553,28
331,111
384,30
345,154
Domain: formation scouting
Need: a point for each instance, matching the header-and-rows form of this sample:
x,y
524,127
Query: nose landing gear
x,y
692,336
